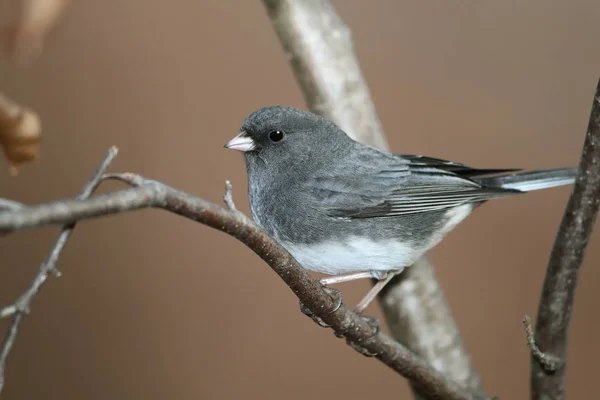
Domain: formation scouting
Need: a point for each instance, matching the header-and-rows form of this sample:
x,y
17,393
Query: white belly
x,y
358,254
353,255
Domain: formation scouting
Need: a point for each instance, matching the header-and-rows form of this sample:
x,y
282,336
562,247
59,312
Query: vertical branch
x,y
322,57
556,302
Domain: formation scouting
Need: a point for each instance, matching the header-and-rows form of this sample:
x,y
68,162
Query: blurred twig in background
x,y
26,35
23,40
20,131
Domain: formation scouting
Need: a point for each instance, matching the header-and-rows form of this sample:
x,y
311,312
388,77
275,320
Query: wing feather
x,y
410,185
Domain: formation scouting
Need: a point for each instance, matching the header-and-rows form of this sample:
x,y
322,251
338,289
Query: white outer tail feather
x,y
538,184
536,180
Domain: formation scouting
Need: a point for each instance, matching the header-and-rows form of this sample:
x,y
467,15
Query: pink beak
x,y
241,142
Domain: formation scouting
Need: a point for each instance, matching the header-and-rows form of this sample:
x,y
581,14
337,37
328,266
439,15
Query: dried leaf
x,y
26,36
20,133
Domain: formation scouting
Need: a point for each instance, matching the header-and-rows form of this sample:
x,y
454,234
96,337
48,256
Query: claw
x,y
337,297
306,311
374,323
362,350
320,322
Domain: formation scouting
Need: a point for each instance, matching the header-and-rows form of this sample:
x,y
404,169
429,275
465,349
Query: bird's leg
x,y
345,278
373,292
338,296
373,322
339,279
333,293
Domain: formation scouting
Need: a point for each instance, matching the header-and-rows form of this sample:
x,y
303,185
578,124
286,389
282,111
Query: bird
x,y
352,211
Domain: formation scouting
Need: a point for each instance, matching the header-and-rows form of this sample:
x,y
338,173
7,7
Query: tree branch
x,y
556,302
227,197
147,193
320,50
20,308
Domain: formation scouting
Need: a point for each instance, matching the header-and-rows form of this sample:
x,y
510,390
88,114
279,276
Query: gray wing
x,y
399,185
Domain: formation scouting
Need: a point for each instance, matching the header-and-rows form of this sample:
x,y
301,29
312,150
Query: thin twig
x,y
556,302
9,204
547,362
8,311
319,47
344,321
21,307
227,197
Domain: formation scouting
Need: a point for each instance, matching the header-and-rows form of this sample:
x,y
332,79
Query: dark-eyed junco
x,y
352,211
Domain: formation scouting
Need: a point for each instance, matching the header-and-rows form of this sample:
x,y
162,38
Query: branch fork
x,y
548,362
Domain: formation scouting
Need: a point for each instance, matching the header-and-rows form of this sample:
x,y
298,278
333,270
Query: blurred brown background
x,y
154,306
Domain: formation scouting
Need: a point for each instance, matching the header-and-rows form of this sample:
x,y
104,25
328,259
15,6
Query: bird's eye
x,y
276,136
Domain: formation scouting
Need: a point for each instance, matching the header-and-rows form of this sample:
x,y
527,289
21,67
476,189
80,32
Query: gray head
x,y
281,137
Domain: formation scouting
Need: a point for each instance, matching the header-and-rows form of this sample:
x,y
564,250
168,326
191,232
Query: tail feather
x,y
534,180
